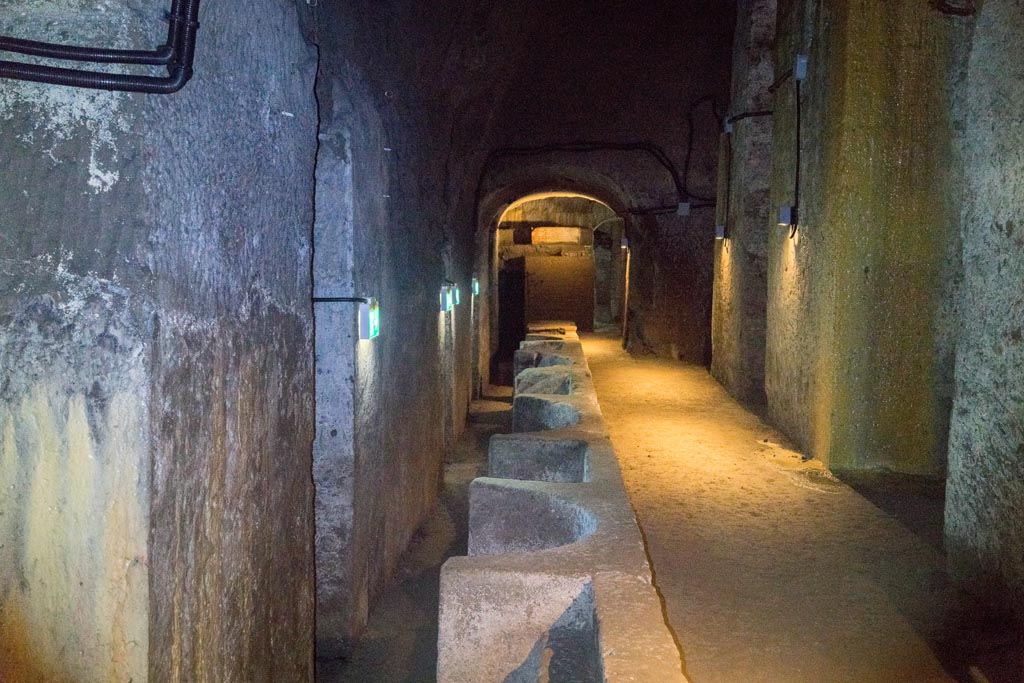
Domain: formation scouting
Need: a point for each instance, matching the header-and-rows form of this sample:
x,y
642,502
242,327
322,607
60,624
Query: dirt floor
x,y
772,570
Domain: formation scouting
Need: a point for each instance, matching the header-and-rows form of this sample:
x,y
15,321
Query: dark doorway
x,y
512,322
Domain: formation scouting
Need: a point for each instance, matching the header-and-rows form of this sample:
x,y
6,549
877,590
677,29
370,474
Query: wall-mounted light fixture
x,y
476,287
369,319
800,63
720,231
369,312
625,243
451,295
447,298
787,216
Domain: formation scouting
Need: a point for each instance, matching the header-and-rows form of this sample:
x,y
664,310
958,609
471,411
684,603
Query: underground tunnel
x,y
501,342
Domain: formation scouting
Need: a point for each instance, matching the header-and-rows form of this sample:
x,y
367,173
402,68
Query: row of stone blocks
x,y
556,587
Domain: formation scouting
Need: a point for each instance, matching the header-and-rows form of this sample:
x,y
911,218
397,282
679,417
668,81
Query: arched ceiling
x,y
568,209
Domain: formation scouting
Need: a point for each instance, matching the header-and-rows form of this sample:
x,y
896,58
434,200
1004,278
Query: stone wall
x,y
156,348
858,363
985,489
561,288
403,119
74,459
741,287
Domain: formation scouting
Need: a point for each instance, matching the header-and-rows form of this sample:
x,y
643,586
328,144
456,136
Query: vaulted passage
x,y
315,316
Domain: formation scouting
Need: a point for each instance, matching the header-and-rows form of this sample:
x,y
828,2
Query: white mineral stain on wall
x,y
61,113
73,565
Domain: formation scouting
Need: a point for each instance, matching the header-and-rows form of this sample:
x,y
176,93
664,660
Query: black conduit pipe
x,y
749,115
162,56
178,56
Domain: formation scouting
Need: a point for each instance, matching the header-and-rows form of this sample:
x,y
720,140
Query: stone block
x,y
510,517
527,456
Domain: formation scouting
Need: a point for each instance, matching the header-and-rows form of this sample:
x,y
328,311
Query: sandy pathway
x,y
771,570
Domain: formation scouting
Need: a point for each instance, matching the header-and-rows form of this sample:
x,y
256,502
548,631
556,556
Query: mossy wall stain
x,y
73,564
876,223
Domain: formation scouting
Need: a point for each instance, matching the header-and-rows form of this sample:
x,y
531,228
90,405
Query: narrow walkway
x,y
771,570
399,644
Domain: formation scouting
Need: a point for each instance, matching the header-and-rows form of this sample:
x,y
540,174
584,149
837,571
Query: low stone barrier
x,y
556,586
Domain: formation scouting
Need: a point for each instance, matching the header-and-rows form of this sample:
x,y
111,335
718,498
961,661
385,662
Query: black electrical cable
x,y
585,147
728,185
796,184
340,299
178,56
162,56
780,80
749,115
665,210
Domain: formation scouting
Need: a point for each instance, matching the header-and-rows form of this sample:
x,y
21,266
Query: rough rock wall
x,y
336,349
740,300
232,555
74,451
155,340
561,288
411,114
985,489
857,363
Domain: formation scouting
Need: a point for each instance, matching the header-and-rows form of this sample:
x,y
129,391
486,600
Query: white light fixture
x,y
447,298
800,68
787,216
476,287
369,313
369,319
720,231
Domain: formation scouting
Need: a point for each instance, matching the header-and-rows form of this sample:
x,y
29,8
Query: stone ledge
x,y
557,586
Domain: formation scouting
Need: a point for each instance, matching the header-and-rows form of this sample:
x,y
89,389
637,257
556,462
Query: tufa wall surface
x,y
156,337
560,285
232,553
985,487
404,120
74,450
739,306
858,359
